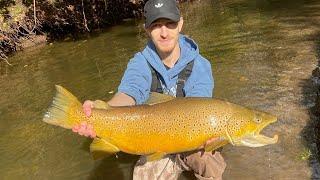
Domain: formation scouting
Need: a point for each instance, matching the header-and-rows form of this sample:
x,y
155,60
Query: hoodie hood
x,y
189,51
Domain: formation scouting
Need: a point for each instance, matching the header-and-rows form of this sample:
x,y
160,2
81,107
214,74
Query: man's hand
x,y
84,128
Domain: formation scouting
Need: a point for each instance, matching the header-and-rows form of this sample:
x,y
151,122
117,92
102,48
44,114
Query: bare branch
x,y
105,5
34,17
84,17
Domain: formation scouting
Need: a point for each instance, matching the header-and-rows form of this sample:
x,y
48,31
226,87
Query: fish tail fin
x,y
63,110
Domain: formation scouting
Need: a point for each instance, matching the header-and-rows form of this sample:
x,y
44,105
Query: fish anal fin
x,y
155,156
156,98
101,148
215,145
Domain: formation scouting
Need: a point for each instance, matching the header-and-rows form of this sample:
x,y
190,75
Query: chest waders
x,y
182,78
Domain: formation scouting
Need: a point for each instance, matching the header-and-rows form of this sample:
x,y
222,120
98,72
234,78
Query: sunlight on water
x,y
262,54
269,164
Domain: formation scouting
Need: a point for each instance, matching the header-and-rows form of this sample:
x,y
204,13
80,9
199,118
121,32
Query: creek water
x,y
262,54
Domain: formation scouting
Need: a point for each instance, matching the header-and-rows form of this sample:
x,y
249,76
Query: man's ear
x,y
180,24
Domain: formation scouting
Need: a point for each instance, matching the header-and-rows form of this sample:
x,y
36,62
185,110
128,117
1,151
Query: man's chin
x,y
166,49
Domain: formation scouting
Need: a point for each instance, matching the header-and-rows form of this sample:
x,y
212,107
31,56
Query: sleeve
x,y
136,80
200,82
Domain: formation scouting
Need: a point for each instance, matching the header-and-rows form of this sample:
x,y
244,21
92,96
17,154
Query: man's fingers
x,y
83,124
84,129
86,134
90,127
87,106
87,111
75,129
88,103
91,131
93,134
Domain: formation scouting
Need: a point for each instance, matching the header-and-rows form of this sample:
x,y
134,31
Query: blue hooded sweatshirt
x,y
137,79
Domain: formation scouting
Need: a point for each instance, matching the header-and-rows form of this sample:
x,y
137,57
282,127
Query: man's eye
x,y
153,26
171,25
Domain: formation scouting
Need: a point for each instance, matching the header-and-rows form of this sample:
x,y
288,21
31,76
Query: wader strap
x,y
155,84
182,78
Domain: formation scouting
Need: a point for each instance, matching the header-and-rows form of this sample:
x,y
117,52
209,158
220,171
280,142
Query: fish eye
x,y
257,118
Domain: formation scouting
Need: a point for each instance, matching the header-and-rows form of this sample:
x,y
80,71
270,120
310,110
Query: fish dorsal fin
x,y
101,148
156,98
99,104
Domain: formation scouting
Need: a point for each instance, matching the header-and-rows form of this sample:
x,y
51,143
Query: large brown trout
x,y
164,125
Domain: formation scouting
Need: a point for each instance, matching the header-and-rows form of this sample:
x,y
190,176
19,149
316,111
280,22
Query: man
x,y
169,64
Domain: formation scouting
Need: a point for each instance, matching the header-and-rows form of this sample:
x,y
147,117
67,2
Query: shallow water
x,y
262,53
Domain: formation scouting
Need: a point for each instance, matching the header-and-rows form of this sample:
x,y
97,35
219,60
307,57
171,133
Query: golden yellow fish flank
x,y
164,125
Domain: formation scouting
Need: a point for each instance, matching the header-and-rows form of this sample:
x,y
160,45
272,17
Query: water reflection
x,y
262,53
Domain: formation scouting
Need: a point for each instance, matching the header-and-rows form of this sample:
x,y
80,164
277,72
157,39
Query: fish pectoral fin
x,y
101,148
99,104
156,98
155,156
215,145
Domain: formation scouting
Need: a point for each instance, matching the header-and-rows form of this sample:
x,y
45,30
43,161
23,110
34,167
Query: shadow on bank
x,y
311,132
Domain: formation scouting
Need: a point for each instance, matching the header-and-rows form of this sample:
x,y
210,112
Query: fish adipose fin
x,y
101,148
155,156
156,98
215,145
64,104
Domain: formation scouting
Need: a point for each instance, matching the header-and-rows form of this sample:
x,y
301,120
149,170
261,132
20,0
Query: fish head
x,y
249,129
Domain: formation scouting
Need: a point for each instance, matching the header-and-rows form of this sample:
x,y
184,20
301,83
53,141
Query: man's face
x,y
165,34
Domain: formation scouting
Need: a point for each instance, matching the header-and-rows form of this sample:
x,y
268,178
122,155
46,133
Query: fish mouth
x,y
256,139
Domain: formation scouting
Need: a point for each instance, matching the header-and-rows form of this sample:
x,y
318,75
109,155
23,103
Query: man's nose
x,y
164,31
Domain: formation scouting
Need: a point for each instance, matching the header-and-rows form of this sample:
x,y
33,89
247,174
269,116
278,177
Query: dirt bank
x,y
28,23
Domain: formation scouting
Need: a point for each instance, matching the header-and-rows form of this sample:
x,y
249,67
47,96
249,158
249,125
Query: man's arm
x,y
121,99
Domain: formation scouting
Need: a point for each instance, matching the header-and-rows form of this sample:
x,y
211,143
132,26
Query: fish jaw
x,y
255,139
258,140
